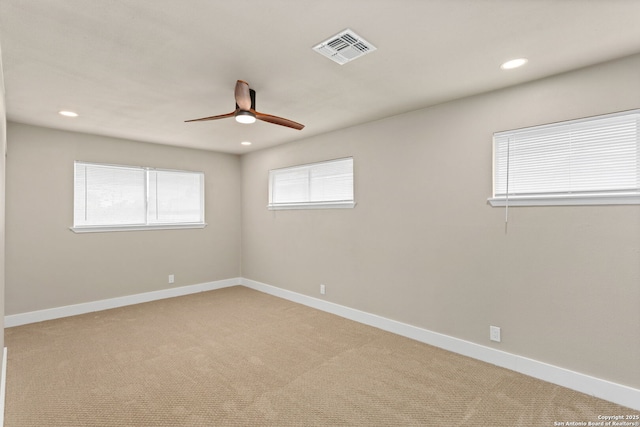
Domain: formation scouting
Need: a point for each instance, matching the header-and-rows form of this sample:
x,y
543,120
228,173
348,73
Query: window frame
x,y
325,204
566,197
148,225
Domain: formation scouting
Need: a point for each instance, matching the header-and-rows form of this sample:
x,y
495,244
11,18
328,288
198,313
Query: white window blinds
x,y
319,185
110,197
175,197
588,161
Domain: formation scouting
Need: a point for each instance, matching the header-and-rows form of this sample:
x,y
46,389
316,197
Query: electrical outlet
x,y
172,278
494,333
323,289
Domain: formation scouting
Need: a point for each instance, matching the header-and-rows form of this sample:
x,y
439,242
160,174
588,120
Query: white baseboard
x,y
90,307
603,389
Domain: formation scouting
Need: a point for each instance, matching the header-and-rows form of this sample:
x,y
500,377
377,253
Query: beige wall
x,y
50,266
423,246
3,144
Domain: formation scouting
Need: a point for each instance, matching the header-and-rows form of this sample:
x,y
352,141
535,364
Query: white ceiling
x,y
137,69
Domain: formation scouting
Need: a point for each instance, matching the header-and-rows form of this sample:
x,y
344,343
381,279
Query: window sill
x,y
567,200
135,228
324,205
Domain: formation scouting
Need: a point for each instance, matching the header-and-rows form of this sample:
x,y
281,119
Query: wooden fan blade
x,y
221,116
243,95
277,120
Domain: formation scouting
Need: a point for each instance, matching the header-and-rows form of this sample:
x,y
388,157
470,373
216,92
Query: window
x,y
116,198
595,160
318,185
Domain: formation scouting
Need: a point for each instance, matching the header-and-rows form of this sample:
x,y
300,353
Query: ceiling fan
x,y
245,111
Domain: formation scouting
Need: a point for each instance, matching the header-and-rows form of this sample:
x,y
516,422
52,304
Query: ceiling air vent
x,y
344,47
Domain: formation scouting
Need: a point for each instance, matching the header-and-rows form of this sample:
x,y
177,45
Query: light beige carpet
x,y
238,357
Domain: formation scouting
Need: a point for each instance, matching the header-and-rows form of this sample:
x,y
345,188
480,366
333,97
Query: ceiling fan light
x,y
245,117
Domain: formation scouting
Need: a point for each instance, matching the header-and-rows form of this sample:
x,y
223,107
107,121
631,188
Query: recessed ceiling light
x,y
245,143
514,63
68,113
